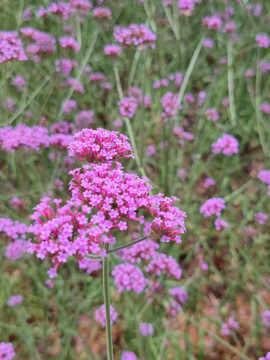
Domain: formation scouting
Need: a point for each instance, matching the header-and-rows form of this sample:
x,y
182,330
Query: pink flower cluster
x,y
102,12
11,47
262,40
146,329
213,22
208,182
261,217
84,119
100,315
182,135
68,42
13,229
135,35
180,294
264,176
6,351
162,264
62,9
75,84
127,106
16,249
213,206
186,6
227,145
43,42
140,252
212,114
168,221
15,300
112,50
129,355
65,66
62,233
129,277
100,146
229,327
170,106
69,106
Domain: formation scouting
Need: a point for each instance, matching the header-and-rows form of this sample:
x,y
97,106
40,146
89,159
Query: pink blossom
x,y
266,318
265,107
180,294
84,119
67,42
69,105
16,249
11,47
264,176
140,252
262,40
65,66
209,182
212,114
135,35
170,106
227,145
266,357
128,355
161,264
102,12
212,22
213,206
127,106
14,300
220,224
97,77
100,315
208,43
261,217
112,50
100,146
151,151
129,277
265,67
249,73
146,329
228,327
6,351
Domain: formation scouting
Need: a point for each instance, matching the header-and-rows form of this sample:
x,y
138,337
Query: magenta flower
x,y
261,217
208,182
229,327
14,300
212,114
84,119
146,329
227,145
220,224
65,66
213,22
97,146
102,12
266,357
69,106
112,50
266,318
100,315
170,106
6,351
161,264
127,106
180,294
264,176
213,206
129,277
16,249
140,252
151,151
265,108
11,47
128,355
135,35
67,42
262,40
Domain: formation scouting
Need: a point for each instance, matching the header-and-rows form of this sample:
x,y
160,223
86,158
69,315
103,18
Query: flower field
x,y
135,180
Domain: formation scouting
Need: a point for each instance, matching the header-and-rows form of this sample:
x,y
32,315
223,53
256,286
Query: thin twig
x,y
117,248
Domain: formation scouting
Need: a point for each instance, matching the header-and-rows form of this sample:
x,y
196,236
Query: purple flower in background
x,y
15,300
146,329
100,315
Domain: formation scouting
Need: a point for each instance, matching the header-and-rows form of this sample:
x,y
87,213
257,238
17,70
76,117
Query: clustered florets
x,y
104,200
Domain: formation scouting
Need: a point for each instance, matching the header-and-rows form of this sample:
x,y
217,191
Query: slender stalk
x,y
231,83
106,293
117,248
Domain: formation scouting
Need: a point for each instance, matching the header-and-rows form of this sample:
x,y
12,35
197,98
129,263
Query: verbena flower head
x,y
129,277
261,217
135,35
112,50
208,182
146,329
98,146
84,119
180,294
213,206
168,221
102,12
128,355
227,145
140,252
100,315
262,40
63,232
162,264
11,47
127,106
229,327
266,357
16,249
68,42
14,300
212,114
6,351
65,66
170,106
264,176
266,318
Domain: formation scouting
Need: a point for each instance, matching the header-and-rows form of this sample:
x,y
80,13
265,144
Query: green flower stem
x,y
129,244
106,292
